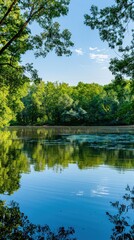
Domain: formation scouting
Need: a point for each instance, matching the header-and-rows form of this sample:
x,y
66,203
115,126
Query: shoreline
x,y
129,129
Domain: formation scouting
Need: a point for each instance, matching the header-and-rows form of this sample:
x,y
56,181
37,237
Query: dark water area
x,y
67,176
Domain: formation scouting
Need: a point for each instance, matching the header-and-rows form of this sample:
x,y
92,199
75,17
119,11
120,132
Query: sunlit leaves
x,y
13,87
16,37
5,111
88,104
113,23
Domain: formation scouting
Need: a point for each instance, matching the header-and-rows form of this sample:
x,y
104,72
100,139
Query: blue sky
x,y
90,58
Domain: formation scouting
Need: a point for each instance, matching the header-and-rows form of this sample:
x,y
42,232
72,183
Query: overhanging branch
x,y
8,11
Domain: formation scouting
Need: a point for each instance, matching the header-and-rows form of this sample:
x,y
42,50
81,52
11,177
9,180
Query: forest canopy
x,y
84,104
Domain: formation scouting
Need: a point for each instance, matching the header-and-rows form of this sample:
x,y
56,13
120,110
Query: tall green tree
x,y
5,111
121,92
113,23
13,87
16,37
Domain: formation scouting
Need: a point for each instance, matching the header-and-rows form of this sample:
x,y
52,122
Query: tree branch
x,y
15,36
9,64
21,29
8,11
130,4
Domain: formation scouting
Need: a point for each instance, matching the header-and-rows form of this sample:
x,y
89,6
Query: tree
x,y
34,109
86,104
13,87
123,97
16,37
113,23
5,111
90,97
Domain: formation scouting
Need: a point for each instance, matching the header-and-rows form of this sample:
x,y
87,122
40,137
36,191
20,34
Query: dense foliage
x,y
16,37
85,104
60,104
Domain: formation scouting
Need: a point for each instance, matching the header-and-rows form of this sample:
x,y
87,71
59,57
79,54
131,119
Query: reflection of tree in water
x,y
122,159
48,148
13,162
15,225
123,220
16,155
36,133
60,155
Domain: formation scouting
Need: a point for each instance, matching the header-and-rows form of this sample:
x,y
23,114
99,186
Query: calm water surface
x,y
67,176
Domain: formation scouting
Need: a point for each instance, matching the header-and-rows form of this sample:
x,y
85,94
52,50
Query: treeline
x,y
84,104
40,103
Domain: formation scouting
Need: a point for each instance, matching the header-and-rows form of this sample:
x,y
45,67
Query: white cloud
x,y
104,68
79,51
93,49
100,58
96,49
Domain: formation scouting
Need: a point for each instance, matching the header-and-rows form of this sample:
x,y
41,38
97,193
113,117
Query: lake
x,y
67,176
